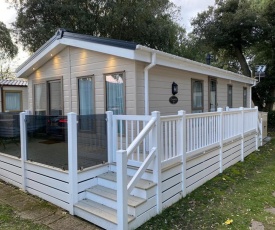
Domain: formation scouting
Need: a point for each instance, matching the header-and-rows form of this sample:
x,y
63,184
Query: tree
x,y
148,22
7,51
7,48
230,27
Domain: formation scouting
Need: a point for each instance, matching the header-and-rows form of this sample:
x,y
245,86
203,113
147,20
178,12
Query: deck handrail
x,y
124,188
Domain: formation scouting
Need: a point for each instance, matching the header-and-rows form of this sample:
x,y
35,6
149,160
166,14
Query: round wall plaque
x,y
173,100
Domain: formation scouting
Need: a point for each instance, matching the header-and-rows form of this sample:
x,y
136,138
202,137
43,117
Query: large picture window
x,y
197,96
229,96
12,101
115,95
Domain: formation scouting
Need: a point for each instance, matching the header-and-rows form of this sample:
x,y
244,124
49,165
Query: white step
x,y
144,188
98,214
108,197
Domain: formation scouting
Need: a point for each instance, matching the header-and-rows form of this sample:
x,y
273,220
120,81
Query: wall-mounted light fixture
x,y
174,88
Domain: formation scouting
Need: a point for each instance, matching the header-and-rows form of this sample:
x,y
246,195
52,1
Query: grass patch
x,y
10,221
240,193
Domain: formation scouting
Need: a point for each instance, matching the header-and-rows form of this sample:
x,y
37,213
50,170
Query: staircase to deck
x,y
100,203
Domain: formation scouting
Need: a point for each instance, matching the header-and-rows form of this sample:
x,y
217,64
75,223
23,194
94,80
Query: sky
x,y
189,9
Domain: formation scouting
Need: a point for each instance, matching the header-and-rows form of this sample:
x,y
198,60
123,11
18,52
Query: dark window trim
x,y
209,90
245,97
46,81
192,106
228,102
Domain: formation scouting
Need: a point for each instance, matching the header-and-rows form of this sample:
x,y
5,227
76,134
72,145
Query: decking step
x,y
141,184
100,210
111,194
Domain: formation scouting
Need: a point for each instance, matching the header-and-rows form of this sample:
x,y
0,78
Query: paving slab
x,y
255,225
39,211
270,210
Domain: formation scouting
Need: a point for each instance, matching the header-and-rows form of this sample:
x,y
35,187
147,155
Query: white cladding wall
x,y
86,63
23,90
161,79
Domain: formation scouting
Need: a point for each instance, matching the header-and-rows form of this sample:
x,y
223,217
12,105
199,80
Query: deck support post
x,y
242,133
182,147
110,135
23,140
157,163
122,193
220,110
72,160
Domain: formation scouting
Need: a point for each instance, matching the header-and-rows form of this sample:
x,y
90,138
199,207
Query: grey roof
x,y
100,40
13,83
62,33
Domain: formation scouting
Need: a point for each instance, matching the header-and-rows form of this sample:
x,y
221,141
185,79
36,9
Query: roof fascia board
x,y
204,69
40,59
116,51
173,61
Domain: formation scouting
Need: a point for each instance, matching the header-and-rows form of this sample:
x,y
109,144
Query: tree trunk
x,y
244,66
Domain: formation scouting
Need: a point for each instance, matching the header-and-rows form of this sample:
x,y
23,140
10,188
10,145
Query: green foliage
x,y
148,22
7,48
231,27
271,119
264,91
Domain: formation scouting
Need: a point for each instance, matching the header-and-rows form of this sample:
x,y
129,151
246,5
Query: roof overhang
x,y
122,49
143,53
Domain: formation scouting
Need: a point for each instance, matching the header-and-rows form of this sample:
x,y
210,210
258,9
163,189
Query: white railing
x,y
232,123
126,128
152,157
202,130
171,145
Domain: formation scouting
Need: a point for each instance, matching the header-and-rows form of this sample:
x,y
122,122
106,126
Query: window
x,y
48,99
229,96
197,96
86,103
244,97
212,95
86,96
55,98
12,101
115,93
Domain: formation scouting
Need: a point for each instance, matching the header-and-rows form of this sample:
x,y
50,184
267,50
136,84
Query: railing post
x,y
220,110
257,126
157,163
122,194
110,135
242,133
114,137
72,160
23,141
182,147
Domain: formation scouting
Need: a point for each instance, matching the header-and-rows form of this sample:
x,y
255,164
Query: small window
x,y
229,96
40,102
12,101
244,97
115,95
197,96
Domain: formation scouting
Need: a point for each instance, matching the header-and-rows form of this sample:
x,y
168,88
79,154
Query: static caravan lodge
x,y
128,166
91,75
